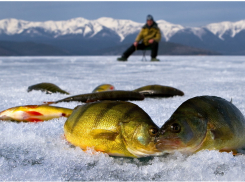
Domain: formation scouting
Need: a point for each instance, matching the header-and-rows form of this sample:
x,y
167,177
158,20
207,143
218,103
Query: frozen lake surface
x,y
38,151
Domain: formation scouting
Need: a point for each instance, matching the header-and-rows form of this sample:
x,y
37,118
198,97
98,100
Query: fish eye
x,y
175,128
153,131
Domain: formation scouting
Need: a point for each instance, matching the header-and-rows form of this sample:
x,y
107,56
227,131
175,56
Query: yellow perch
x,y
99,96
159,91
104,87
205,122
115,127
34,113
49,88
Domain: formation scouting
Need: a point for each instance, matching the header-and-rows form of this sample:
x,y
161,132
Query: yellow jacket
x,y
147,33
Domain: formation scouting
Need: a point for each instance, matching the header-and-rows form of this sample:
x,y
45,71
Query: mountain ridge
x,y
121,26
224,37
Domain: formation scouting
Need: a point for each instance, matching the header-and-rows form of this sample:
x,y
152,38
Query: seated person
x,y
150,36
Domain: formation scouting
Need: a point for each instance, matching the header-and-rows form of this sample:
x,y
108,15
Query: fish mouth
x,y
140,152
168,145
5,118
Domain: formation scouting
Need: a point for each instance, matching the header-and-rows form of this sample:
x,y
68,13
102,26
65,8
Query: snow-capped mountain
x,y
226,28
55,28
122,28
225,37
168,29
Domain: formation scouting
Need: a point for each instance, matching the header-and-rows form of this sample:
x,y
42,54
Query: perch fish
x,y
204,122
103,87
99,96
115,127
159,91
34,113
49,88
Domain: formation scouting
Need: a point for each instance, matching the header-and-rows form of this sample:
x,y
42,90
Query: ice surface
x,y
38,151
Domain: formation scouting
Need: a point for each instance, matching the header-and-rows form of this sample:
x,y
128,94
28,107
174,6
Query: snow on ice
x,y
38,151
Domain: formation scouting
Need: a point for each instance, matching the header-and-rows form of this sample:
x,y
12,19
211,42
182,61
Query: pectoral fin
x,y
33,113
104,134
31,116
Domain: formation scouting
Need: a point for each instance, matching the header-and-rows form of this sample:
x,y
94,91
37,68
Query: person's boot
x,y
122,59
154,59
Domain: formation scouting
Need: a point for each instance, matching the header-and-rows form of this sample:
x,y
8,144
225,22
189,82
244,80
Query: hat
x,y
149,17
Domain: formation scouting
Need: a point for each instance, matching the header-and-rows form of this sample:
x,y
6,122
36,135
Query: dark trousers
x,y
141,46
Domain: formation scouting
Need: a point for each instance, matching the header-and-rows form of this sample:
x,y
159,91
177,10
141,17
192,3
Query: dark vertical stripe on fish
x,y
129,112
197,107
220,112
103,112
85,108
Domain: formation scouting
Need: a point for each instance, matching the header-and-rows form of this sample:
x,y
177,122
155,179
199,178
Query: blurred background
x,y
108,28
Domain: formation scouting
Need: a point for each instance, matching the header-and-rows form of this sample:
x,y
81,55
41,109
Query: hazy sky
x,y
185,13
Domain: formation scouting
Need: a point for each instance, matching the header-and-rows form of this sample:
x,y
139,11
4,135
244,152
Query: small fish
x,y
34,113
106,95
115,127
104,87
159,91
49,88
205,122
